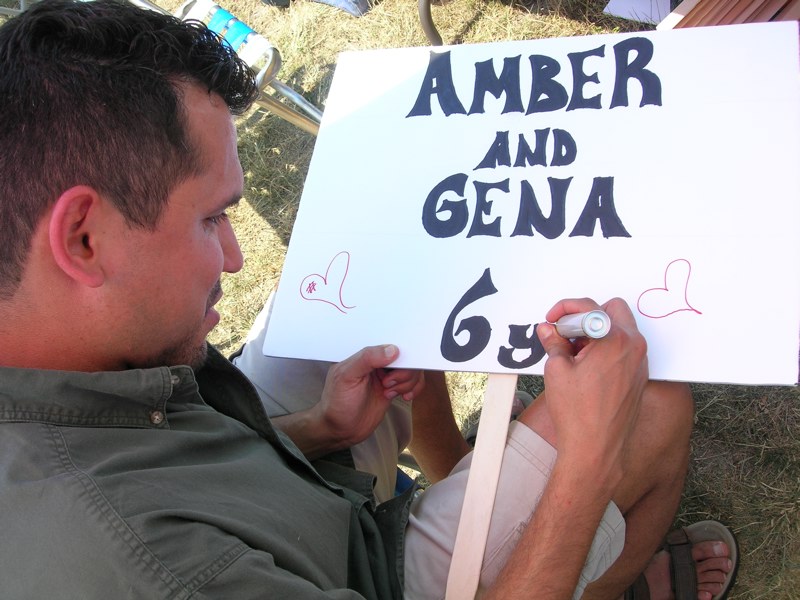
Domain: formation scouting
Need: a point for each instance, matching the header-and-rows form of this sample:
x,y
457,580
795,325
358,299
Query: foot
x,y
713,564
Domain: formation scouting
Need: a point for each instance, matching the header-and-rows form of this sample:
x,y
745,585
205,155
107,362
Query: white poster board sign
x,y
456,193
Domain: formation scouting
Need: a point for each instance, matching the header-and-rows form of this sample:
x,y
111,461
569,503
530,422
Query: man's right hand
x,y
592,393
594,387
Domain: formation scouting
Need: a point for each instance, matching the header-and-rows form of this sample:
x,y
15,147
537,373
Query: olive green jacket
x,y
163,483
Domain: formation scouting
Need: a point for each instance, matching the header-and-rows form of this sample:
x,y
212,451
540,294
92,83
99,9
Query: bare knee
x,y
668,412
658,454
665,430
666,418
537,418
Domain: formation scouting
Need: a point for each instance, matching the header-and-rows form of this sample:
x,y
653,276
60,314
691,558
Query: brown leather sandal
x,y
683,571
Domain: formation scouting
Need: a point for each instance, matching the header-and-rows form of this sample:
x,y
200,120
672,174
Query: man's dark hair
x,y
90,94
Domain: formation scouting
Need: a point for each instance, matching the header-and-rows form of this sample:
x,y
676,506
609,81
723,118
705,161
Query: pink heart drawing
x,y
328,288
657,303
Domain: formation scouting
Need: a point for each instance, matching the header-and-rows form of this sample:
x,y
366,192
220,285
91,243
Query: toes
x,y
711,578
708,590
704,550
714,569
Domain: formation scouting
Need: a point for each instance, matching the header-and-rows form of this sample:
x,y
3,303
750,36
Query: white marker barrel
x,y
594,324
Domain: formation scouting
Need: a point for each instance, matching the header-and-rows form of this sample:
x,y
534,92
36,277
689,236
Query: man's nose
x,y
234,260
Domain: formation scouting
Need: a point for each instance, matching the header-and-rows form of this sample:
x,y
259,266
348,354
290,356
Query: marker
x,y
594,324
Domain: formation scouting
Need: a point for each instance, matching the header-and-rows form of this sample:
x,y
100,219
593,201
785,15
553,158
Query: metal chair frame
x,y
265,62
10,12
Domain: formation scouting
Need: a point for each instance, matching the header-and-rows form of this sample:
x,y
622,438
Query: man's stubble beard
x,y
179,354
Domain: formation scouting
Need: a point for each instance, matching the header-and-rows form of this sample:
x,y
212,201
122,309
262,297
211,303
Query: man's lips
x,y
214,297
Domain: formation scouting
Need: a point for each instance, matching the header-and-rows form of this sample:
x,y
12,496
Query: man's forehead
x,y
210,127
197,97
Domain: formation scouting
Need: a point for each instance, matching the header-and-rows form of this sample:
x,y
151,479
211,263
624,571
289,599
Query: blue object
x,y
219,20
403,482
236,34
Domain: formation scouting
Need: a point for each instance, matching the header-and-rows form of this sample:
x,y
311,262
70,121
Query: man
x,y
137,462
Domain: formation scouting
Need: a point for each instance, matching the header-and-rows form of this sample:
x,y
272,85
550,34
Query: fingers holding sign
x,y
405,383
359,390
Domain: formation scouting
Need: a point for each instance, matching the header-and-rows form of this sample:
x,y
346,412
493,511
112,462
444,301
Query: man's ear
x,y
74,226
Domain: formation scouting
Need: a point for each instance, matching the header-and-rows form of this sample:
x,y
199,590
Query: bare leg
x,y
649,495
436,441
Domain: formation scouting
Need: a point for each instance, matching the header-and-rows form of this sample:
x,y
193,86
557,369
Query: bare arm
x,y
551,552
436,442
593,392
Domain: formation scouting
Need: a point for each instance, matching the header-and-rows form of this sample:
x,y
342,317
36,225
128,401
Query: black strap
x,y
682,567
639,590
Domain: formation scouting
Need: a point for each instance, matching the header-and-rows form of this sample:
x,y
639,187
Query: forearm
x,y
436,442
551,553
594,392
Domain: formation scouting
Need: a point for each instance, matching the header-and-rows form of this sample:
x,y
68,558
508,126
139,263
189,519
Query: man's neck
x,y
31,340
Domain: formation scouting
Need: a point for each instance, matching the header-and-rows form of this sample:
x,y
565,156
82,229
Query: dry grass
x,y
746,449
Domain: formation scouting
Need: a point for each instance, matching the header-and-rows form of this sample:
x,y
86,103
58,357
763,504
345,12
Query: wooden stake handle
x,y
476,513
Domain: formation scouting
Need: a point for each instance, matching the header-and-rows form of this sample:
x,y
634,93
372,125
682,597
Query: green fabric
x,y
99,498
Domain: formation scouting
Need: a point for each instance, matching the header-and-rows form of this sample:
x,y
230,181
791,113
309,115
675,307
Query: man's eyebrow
x,y
232,203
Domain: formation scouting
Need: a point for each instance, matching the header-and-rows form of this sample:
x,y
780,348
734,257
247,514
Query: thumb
x,y
553,344
362,363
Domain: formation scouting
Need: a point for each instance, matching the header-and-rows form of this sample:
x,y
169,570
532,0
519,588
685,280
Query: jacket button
x,y
156,417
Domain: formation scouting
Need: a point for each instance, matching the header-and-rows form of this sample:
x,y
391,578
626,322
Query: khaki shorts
x,y
431,531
